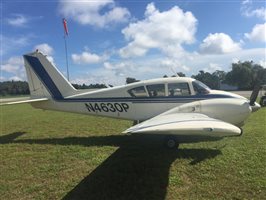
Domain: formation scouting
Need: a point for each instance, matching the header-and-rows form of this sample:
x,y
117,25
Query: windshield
x,y
200,88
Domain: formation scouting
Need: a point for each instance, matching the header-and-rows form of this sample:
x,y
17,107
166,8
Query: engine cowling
x,y
232,110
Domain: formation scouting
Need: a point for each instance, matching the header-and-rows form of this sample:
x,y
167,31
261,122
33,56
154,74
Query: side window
x,y
138,92
157,90
200,88
178,89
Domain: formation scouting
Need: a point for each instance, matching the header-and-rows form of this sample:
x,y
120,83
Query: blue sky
x,y
110,40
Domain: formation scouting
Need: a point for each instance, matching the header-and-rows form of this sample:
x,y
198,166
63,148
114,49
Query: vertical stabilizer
x,y
44,78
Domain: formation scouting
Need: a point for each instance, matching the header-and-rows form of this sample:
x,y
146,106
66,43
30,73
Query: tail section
x,y
44,79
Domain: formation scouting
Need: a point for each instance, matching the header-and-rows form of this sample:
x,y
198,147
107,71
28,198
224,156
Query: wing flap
x,y
186,124
25,101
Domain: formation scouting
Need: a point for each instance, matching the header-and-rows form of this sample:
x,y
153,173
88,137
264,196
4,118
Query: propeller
x,y
254,94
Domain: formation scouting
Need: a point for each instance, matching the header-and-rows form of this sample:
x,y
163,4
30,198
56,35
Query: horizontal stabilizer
x,y
25,101
186,124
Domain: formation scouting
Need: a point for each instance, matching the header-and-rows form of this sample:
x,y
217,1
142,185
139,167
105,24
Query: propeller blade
x,y
254,95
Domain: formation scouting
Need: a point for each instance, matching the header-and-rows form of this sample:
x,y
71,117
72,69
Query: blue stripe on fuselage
x,y
177,99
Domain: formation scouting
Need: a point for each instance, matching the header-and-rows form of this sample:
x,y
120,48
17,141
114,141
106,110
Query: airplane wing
x,y
24,101
185,124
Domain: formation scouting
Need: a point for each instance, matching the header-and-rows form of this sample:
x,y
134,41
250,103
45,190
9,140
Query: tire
x,y
171,142
263,101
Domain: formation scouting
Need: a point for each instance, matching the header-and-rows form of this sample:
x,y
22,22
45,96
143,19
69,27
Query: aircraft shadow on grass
x,y
138,169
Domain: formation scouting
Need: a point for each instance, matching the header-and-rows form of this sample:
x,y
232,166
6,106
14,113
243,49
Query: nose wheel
x,y
171,142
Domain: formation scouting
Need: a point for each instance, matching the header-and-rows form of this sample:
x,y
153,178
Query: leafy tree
x,y
131,80
14,88
220,74
246,75
181,74
91,86
212,80
259,75
221,77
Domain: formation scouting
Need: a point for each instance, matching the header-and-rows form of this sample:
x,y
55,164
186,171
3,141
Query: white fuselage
x,y
146,99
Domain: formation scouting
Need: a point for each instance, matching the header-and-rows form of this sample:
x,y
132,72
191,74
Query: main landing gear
x,y
171,142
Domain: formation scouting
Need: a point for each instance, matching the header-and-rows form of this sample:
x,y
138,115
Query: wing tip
x,y
24,101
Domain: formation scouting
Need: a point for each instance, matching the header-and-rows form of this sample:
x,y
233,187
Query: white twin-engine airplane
x,y
172,107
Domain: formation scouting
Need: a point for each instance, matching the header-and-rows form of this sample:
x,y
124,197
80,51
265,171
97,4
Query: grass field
x,y
12,96
52,155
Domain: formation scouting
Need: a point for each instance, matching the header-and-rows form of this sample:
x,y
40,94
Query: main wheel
x,y
263,101
171,142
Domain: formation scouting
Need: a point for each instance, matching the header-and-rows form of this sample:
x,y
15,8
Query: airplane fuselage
x,y
146,99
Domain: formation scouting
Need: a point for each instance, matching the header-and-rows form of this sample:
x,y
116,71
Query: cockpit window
x,y
138,92
157,90
200,88
178,89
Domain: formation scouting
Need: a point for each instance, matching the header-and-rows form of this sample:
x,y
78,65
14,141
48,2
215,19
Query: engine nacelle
x,y
232,110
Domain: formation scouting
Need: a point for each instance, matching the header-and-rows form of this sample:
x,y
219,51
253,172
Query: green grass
x,y
12,96
52,155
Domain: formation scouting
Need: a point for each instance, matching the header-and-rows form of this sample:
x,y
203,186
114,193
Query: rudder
x,y
44,78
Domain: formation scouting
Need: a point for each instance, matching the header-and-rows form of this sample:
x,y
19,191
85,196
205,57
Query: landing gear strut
x,y
171,142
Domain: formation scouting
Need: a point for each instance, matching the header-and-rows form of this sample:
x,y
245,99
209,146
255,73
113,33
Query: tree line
x,y
243,75
22,88
14,88
91,86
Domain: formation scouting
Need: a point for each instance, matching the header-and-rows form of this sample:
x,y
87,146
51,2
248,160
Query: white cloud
x,y
120,68
173,65
150,66
224,61
45,49
248,11
86,58
14,66
235,60
161,30
245,2
96,13
258,33
99,76
9,44
18,20
218,43
212,67
263,63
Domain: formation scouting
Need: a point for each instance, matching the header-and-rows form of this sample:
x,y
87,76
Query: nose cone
x,y
255,107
